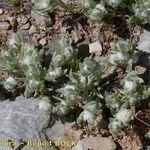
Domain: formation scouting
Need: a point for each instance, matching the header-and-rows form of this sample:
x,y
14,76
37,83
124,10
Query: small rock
x,y
28,16
144,44
76,36
1,11
42,34
140,70
23,120
95,143
4,25
34,39
6,12
43,41
10,19
18,19
38,36
24,20
32,29
39,19
26,26
96,48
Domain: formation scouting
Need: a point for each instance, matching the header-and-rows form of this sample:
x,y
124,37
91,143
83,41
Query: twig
x,y
142,121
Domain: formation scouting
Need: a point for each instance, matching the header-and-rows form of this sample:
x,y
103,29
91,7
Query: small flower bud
x,y
10,83
45,105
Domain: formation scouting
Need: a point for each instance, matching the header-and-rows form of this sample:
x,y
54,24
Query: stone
x,y
58,132
34,39
95,143
140,70
25,27
76,36
32,29
95,48
1,11
36,148
10,19
4,25
61,128
18,19
39,19
24,20
144,42
43,41
22,120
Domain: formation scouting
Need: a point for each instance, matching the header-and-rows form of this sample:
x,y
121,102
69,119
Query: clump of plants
x,y
101,10
84,85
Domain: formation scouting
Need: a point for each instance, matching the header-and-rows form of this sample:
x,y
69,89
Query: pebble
x,y
39,19
24,20
34,39
26,26
38,36
42,34
96,48
140,70
1,11
43,41
32,29
144,44
4,25
18,19
10,19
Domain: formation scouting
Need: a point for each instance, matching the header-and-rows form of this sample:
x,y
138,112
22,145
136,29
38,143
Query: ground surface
x,y
43,31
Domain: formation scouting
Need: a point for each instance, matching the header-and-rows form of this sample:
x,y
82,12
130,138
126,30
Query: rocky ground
x,y
21,119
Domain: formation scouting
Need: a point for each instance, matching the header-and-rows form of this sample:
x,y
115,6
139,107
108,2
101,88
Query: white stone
x,y
1,11
96,48
24,20
95,143
32,29
26,26
18,19
4,25
144,42
10,19
43,41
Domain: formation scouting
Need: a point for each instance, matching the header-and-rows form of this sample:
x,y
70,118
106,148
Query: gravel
x,y
32,29
25,27
43,41
1,11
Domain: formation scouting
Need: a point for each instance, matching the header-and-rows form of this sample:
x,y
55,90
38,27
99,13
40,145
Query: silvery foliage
x,y
44,5
142,10
89,113
9,83
147,135
97,13
22,65
124,102
122,53
113,3
24,60
85,3
59,60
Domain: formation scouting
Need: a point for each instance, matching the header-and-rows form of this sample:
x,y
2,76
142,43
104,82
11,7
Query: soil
x,y
83,32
